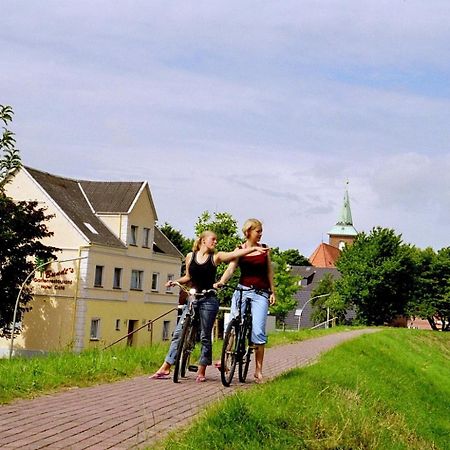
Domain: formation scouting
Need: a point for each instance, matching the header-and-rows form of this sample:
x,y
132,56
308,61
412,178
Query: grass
x,y
29,377
387,390
285,337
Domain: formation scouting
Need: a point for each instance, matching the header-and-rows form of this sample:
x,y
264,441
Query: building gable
x,y
70,198
111,196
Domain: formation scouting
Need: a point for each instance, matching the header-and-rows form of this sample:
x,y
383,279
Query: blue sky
x,y
261,109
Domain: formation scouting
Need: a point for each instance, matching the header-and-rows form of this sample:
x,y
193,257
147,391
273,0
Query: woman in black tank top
x,y
201,269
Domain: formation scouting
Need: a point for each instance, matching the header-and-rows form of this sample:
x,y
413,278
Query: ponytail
x,y
198,242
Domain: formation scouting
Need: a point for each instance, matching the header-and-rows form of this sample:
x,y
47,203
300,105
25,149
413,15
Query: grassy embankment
x,y
29,377
387,390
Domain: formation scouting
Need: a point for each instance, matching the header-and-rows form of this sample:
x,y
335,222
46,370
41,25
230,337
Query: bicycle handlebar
x,y
192,291
244,289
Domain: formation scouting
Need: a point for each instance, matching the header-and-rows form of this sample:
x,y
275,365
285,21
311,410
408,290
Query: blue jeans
x,y
206,311
260,308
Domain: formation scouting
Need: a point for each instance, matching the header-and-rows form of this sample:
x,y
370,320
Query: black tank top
x,y
203,276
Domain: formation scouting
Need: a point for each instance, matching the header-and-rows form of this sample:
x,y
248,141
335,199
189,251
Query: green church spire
x,y
344,225
346,213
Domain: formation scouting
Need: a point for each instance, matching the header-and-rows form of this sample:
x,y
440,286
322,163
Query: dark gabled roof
x,y
162,244
310,278
111,196
67,194
313,274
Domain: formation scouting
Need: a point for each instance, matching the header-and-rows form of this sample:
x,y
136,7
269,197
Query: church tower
x,y
343,232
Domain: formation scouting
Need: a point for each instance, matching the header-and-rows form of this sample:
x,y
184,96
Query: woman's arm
x,y
186,277
228,273
272,298
221,257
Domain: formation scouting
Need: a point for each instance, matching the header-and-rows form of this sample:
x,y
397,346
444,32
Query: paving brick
x,y
133,413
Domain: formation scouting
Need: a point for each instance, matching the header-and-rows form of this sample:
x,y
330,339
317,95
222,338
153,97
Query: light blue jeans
x,y
206,309
260,308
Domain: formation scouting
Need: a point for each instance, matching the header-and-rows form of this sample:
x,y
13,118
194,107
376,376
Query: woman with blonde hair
x,y
256,274
201,268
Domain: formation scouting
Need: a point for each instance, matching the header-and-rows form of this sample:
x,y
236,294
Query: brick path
x,y
133,413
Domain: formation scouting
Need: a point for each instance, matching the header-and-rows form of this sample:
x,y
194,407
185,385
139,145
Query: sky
x,y
259,109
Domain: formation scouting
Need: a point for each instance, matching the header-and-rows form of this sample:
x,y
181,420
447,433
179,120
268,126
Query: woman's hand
x,y
261,250
272,299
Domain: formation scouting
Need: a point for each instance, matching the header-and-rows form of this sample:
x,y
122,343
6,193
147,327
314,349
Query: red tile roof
x,y
325,255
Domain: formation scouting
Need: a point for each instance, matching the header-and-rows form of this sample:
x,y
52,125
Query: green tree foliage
x,y
286,285
377,276
10,158
225,227
330,299
324,287
182,243
21,229
292,256
430,298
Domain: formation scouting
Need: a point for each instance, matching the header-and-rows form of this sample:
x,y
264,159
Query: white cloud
x,y
261,109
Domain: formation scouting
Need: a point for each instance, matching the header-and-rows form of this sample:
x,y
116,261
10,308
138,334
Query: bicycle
x,y
189,332
237,346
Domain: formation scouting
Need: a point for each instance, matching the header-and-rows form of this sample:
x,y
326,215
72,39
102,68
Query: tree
x,y
295,258
21,228
377,276
287,285
182,243
332,301
10,160
225,227
430,298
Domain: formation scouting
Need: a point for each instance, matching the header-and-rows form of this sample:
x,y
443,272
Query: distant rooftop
x,y
82,200
325,255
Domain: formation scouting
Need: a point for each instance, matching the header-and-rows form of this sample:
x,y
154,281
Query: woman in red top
x,y
256,272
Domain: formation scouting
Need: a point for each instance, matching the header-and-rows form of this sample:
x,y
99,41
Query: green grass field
x,y
387,390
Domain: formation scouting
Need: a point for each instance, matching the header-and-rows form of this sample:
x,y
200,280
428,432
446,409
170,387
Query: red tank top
x,y
254,271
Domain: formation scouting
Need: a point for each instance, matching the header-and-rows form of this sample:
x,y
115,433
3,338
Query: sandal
x,y
160,376
200,379
259,380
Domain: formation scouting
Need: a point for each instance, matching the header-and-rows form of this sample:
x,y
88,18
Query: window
x,y
98,282
170,277
117,283
133,236
95,329
117,324
155,281
165,331
136,279
90,228
146,241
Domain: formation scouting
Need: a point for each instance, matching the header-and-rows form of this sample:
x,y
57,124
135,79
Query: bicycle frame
x,y
237,348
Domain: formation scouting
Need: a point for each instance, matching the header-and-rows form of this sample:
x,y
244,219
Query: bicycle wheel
x,y
247,350
188,348
229,353
181,343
